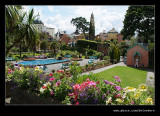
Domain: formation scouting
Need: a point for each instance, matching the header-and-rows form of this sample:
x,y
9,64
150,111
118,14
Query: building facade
x,y
112,34
138,56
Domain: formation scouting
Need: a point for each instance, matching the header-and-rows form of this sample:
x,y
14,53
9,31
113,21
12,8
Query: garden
x,y
72,88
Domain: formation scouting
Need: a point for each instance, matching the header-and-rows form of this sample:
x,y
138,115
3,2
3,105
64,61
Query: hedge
x,y
82,43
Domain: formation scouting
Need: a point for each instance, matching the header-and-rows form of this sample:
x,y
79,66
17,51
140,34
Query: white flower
x,y
109,101
130,89
42,90
143,87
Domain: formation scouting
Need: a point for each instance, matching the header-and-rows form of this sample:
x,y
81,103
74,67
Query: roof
x,y
37,22
138,44
113,30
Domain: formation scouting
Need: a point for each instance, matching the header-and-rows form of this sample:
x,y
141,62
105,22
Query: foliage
x,y
75,71
106,58
92,28
114,52
81,44
86,89
140,20
81,25
44,46
19,27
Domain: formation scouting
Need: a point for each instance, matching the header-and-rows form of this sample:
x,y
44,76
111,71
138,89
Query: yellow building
x,y
112,34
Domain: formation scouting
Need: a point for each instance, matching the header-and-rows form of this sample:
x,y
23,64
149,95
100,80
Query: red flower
x,y
61,77
44,87
51,74
97,82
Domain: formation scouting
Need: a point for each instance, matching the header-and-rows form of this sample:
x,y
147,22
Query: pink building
x,y
138,54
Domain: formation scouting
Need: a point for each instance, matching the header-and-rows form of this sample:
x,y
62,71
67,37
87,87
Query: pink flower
x,y
51,79
119,80
132,102
118,95
111,83
58,83
77,103
76,87
97,82
116,77
118,88
87,80
71,94
51,92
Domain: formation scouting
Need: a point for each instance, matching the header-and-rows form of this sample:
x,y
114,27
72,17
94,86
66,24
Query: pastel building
x,y
138,55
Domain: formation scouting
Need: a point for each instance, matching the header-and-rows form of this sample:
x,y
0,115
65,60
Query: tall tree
x,y
81,25
139,20
18,27
92,28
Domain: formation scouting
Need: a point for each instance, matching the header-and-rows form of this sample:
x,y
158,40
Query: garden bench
x,y
92,57
9,58
67,56
90,61
65,65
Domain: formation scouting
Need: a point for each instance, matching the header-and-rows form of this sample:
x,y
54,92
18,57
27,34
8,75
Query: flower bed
x,y
32,86
29,59
77,59
94,66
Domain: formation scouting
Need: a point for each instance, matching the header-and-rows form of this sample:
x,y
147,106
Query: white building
x,y
39,25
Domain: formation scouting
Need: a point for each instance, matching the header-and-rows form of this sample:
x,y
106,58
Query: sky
x,y
59,16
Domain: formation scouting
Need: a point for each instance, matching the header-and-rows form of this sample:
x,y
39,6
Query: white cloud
x,y
59,17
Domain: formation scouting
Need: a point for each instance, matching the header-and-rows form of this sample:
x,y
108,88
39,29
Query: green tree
x,y
18,27
114,52
92,28
139,20
54,46
44,46
81,25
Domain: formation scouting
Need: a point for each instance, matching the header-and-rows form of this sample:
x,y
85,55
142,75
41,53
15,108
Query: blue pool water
x,y
42,62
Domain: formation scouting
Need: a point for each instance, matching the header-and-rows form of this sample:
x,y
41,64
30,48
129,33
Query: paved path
x,y
150,80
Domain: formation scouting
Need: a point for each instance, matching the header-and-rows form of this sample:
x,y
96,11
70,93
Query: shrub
x,y
81,43
106,58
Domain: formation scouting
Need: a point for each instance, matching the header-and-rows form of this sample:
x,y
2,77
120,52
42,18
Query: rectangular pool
x,y
42,62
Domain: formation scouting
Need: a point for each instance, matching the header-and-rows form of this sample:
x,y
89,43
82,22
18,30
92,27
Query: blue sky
x,y
59,16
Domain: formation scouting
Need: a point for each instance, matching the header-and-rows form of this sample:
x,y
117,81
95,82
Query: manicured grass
x,y
129,76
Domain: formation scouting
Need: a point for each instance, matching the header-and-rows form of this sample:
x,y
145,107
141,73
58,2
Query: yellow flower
x,y
137,95
130,89
119,100
143,87
36,68
21,68
41,70
149,100
27,68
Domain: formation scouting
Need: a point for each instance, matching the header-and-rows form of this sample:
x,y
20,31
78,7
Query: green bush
x,y
81,43
106,58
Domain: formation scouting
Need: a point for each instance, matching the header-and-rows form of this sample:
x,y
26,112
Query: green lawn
x,y
129,76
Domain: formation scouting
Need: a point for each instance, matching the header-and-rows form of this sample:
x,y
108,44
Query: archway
x,y
137,59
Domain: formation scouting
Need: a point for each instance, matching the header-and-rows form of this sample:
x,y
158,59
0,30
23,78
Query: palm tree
x,y
19,26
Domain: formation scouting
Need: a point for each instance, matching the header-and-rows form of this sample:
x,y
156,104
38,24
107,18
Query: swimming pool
x,y
42,62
